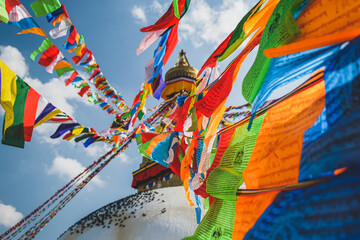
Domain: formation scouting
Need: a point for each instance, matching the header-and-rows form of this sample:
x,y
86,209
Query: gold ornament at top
x,y
181,68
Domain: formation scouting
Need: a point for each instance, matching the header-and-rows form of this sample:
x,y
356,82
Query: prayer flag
x,y
43,7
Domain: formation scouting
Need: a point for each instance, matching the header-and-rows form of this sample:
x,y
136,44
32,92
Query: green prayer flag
x,y
84,136
140,115
91,67
218,222
193,126
4,16
281,29
62,71
176,8
143,147
47,43
84,84
91,99
138,139
43,7
224,181
14,134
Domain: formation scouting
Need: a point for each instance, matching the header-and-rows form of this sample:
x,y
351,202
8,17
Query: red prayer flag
x,y
83,90
31,104
147,136
72,77
67,135
72,36
222,88
167,20
179,116
49,56
171,43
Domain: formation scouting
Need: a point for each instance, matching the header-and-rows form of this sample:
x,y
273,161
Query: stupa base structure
x,y
155,214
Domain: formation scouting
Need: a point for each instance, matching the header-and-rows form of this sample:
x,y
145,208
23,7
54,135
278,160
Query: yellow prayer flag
x,y
8,93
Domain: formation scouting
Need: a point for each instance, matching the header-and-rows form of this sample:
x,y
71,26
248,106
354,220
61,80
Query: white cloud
x,y
12,57
211,24
9,215
139,14
68,168
97,150
124,158
158,8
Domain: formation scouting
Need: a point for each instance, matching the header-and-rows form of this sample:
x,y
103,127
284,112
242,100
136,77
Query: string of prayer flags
x,y
52,58
276,142
291,154
25,109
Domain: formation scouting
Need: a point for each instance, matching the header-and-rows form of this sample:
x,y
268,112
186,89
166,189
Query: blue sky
x,y
30,176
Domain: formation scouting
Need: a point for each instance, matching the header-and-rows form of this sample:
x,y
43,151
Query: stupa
x,y
152,214
151,175
180,78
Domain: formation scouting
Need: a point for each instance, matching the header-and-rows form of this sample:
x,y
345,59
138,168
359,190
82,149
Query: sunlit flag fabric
x,y
292,68
277,146
289,170
280,29
294,22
